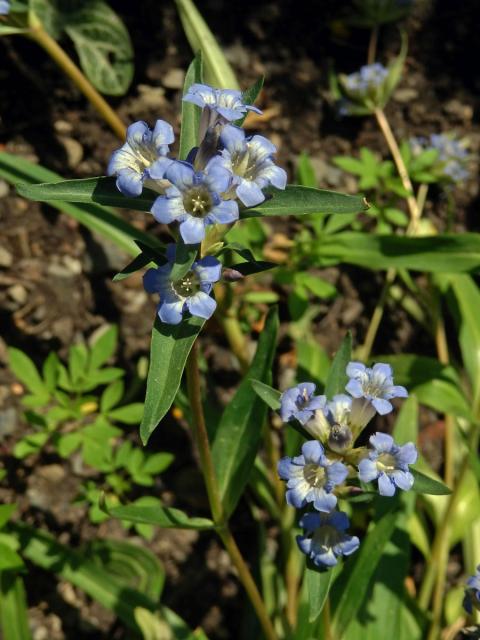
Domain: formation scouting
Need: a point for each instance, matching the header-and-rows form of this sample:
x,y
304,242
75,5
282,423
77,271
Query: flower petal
x,y
192,230
201,305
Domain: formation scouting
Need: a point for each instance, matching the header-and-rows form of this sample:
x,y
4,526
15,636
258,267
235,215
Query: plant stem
x,y
366,348
327,627
40,36
401,168
372,45
201,437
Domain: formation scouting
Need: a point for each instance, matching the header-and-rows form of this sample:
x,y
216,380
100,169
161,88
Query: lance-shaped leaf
x,y
425,484
164,517
267,393
169,350
96,218
337,376
190,112
298,201
319,584
448,252
13,608
239,432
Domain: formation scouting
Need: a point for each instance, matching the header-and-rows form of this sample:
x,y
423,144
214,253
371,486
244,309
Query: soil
x,y
55,276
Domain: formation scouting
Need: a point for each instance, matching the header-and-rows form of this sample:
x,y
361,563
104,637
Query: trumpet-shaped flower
x,y
250,161
299,403
142,156
194,199
312,477
375,385
388,463
228,103
471,599
324,538
190,293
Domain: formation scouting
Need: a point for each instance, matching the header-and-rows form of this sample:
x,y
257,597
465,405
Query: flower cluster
x,y
452,160
226,168
364,88
319,475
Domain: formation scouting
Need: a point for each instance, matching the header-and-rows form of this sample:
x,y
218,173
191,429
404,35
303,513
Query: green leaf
x,y
112,396
349,593
13,608
190,112
217,71
9,559
103,46
129,414
103,347
318,584
104,221
169,350
26,371
185,255
164,517
239,432
337,376
298,201
50,371
49,15
425,484
139,262
441,253
305,172
6,511
118,595
268,394
249,97
77,363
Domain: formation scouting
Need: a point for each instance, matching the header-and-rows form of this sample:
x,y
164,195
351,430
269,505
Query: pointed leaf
x,y
190,112
268,394
164,517
240,429
425,484
337,376
169,350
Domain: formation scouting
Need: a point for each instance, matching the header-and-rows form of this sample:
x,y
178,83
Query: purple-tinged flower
x,y
451,163
4,7
375,385
228,103
190,293
369,78
324,538
299,403
194,199
250,161
312,477
142,156
471,599
388,463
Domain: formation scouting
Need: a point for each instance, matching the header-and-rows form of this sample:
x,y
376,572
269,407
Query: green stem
x,y
326,618
40,36
366,348
208,469
372,45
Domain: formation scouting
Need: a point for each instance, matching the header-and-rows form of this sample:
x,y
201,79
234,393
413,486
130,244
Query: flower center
x,y
326,536
302,399
187,286
198,202
314,475
386,462
244,164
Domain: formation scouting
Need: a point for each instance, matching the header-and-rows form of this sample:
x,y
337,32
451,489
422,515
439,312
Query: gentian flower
x,y
369,78
299,403
250,161
388,463
194,199
228,103
452,155
374,385
324,538
4,7
471,599
190,293
311,477
141,157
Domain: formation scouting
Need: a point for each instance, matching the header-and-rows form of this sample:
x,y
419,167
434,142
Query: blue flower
x,y
228,103
369,78
471,599
194,199
4,7
299,403
312,477
190,293
375,385
250,160
324,538
388,463
141,157
452,155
